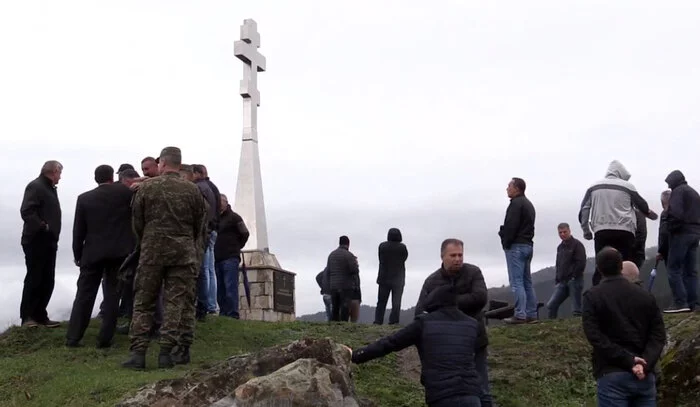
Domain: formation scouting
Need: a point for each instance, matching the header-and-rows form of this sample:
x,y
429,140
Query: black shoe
x,y
182,355
50,324
103,345
136,361
165,359
73,344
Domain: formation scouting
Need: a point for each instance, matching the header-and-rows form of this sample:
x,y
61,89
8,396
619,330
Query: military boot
x,y
136,361
165,359
182,355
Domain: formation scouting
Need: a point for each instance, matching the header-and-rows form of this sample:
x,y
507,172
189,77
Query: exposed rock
x,y
680,364
319,370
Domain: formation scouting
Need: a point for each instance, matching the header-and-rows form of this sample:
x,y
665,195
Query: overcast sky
x,y
373,115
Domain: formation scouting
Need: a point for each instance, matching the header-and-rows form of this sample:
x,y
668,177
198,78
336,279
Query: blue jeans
x,y
327,300
227,292
206,283
682,269
518,259
459,401
623,389
563,290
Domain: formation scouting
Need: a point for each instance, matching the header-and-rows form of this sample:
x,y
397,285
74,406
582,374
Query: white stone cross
x,y
246,49
249,203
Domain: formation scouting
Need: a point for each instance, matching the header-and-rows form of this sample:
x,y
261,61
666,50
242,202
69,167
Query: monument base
x,y
272,295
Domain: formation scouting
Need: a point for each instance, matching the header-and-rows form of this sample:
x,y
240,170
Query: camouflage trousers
x,y
179,285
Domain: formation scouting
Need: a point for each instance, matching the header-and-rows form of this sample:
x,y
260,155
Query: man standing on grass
x,y
570,265
624,326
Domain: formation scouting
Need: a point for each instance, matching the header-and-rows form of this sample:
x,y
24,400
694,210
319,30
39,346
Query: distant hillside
x,y
543,281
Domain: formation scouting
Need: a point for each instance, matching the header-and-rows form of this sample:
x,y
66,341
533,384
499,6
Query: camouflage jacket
x,y
169,220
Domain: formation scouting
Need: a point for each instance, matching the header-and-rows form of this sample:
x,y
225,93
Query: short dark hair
x,y
519,183
608,261
198,169
124,167
104,173
149,158
563,225
344,241
448,242
128,174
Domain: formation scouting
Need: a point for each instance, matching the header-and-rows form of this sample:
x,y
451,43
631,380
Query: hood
x,y
394,235
617,170
675,178
441,297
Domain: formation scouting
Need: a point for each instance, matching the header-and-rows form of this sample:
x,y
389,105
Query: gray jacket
x,y
609,203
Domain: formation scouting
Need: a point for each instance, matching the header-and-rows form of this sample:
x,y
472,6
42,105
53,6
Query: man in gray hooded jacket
x,y
608,212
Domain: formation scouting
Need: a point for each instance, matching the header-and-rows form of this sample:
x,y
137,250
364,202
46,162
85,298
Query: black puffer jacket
x,y
446,341
342,269
392,260
683,205
471,294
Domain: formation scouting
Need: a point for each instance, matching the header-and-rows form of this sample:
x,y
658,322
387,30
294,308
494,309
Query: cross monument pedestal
x,y
271,287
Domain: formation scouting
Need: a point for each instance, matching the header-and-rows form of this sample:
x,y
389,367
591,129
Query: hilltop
x,y
544,364
543,281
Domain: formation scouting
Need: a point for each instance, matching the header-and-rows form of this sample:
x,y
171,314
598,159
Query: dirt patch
x,y
409,364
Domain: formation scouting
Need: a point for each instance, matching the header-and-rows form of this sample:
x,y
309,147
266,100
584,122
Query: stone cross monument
x,y
271,287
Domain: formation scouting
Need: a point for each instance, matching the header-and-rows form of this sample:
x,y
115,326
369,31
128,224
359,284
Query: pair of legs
x,y
518,259
327,303
40,258
396,291
206,283
682,271
620,240
565,289
340,304
227,288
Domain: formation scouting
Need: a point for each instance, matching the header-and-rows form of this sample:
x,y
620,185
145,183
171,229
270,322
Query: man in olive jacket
x,y
471,299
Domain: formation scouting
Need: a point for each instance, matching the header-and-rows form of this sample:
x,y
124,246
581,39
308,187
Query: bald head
x,y
630,271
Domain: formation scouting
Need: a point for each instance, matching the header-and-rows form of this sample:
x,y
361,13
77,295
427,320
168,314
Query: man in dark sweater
x,y
391,277
683,223
624,326
471,299
570,265
446,339
517,233
232,237
343,270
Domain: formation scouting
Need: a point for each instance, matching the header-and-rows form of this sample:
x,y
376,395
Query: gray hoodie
x,y
609,204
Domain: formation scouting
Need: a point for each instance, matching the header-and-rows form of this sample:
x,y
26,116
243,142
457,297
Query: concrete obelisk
x,y
271,287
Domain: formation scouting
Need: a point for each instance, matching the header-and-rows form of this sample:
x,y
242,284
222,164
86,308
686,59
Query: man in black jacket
x,y
683,223
446,339
102,238
391,277
517,233
624,326
570,265
471,299
41,213
662,246
342,272
233,235
206,282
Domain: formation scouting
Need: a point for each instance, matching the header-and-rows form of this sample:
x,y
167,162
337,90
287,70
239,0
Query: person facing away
x,y
662,244
342,268
169,220
683,225
446,339
625,328
471,299
206,284
607,213
102,239
322,281
630,272
570,265
640,238
391,277
41,213
232,237
517,233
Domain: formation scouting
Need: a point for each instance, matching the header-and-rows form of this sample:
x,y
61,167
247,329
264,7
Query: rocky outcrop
x,y
680,363
308,372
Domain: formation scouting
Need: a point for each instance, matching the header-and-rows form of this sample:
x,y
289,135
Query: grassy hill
x,y
543,281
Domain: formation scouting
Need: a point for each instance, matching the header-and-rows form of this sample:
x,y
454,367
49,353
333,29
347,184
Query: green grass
x,y
546,364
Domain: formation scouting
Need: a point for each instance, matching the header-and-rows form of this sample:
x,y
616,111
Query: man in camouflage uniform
x,y
169,215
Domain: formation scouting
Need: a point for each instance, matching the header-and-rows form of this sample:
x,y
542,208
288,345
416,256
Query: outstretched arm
x,y
400,339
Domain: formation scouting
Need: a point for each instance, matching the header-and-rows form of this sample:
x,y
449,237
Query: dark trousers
x,y
482,367
40,258
621,240
396,291
340,304
227,287
88,285
682,267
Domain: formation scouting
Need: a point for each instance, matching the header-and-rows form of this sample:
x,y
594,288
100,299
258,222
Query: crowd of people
x,y
181,263
165,247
